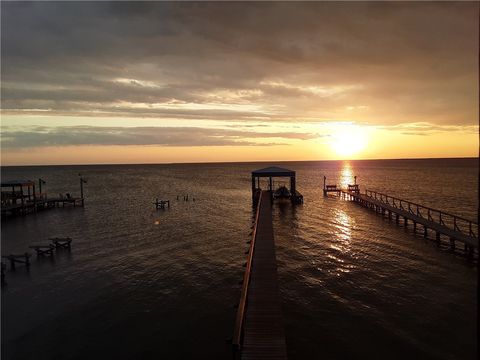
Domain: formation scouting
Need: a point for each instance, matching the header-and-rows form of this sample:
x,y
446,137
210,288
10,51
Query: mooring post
x,y
396,218
425,232
438,237
82,181
406,222
34,199
414,227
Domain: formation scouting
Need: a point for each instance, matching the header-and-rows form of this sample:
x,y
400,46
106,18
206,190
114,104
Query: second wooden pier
x,y
456,228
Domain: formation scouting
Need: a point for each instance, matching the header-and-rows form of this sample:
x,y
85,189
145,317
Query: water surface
x,y
145,284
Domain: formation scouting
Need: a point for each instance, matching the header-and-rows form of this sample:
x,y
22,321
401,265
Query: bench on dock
x,y
331,188
62,243
353,188
43,250
22,259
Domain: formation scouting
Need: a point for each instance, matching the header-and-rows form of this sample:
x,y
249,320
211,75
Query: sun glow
x,y
349,141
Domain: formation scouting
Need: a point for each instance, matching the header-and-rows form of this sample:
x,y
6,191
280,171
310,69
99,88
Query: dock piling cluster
x,y
161,204
41,250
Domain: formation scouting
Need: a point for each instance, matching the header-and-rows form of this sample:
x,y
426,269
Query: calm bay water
x,y
147,284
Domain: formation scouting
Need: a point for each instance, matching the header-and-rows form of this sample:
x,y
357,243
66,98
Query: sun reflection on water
x,y
346,176
341,261
344,224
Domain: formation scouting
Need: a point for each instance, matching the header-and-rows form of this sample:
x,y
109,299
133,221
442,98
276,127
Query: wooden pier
x,y
259,331
19,197
455,228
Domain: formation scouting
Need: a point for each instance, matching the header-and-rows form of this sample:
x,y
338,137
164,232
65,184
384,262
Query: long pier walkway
x,y
39,204
259,330
454,227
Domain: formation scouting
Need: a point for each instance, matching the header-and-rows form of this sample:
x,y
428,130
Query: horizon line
x,y
242,162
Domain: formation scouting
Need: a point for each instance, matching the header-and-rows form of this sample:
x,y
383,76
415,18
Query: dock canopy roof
x,y
17,183
273,171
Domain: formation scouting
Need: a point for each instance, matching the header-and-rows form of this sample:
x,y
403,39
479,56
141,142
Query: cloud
x,y
42,136
403,62
429,128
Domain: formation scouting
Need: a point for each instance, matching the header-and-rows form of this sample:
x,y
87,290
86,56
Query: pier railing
x,y
454,222
238,330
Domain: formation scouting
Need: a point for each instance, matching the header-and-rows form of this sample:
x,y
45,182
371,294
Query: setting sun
x,y
349,142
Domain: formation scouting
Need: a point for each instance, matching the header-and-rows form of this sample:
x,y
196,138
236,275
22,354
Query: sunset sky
x,y
120,82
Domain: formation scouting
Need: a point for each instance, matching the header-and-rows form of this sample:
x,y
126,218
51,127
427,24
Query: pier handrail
x,y
458,223
237,331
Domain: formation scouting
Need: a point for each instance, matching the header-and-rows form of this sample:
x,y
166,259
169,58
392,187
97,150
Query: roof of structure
x,y
273,171
17,183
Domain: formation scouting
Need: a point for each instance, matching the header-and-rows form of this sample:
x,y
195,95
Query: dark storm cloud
x,y
40,136
294,61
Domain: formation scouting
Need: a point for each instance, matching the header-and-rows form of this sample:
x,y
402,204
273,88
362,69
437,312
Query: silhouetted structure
x,y
20,198
454,227
333,188
161,204
270,173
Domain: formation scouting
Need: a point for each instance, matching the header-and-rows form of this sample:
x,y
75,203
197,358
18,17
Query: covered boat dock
x,y
270,173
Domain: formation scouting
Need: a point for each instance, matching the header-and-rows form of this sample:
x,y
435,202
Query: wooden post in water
x,y
81,187
82,181
34,199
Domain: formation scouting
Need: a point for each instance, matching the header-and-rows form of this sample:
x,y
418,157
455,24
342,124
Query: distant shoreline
x,y
240,162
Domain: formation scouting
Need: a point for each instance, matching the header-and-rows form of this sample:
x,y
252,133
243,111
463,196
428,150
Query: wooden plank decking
x,y
263,335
